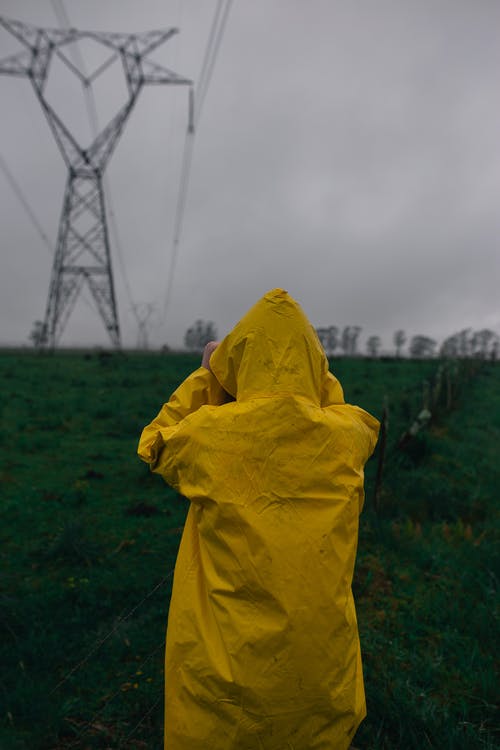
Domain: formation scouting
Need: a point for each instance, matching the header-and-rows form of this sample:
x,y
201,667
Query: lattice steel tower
x,y
82,252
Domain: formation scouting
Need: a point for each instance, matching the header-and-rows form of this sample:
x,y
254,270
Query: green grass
x,y
88,535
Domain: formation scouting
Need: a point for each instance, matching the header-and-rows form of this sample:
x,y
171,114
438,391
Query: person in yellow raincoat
x,y
262,647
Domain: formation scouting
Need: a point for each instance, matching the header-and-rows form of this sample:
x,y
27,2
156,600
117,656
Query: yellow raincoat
x,y
262,642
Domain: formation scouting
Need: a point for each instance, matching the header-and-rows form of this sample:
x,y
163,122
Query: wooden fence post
x,y
382,443
426,392
436,391
449,392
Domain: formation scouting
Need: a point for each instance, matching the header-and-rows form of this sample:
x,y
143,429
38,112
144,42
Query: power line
x,y
208,50
64,23
187,157
175,60
170,130
25,203
196,104
33,217
116,234
214,42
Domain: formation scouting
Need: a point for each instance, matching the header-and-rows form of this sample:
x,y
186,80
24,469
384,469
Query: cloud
x,y
347,151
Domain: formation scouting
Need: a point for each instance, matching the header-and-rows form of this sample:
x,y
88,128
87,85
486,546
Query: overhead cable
x,y
30,212
80,68
196,102
209,49
187,156
213,45
25,203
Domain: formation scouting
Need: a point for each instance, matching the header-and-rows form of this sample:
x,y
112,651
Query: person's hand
x,y
207,353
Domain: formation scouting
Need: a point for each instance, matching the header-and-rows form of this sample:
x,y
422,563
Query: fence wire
x,y
97,645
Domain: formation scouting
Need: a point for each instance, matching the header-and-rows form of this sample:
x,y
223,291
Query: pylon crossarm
x,y
41,43
18,64
29,35
26,34
145,43
58,37
111,39
138,44
151,72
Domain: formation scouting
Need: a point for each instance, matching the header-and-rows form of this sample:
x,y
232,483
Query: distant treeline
x,y
464,344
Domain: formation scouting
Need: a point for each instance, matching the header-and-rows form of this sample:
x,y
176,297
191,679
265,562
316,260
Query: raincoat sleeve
x,y
332,396
199,389
368,430
331,391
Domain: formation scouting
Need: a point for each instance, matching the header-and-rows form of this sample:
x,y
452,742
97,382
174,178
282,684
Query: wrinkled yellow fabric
x,y
262,644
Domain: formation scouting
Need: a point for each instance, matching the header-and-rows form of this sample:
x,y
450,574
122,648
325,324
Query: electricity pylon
x,y
83,252
143,313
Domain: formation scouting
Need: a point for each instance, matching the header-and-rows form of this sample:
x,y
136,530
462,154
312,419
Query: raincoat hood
x,y
274,350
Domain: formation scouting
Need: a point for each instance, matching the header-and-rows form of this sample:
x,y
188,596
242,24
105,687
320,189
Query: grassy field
x,y
89,540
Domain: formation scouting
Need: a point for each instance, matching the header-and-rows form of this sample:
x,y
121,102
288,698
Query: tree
x,y
349,339
422,347
328,338
38,334
399,341
483,343
466,344
449,347
199,334
373,346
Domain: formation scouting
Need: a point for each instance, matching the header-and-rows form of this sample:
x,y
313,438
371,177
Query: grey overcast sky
x,y
348,151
